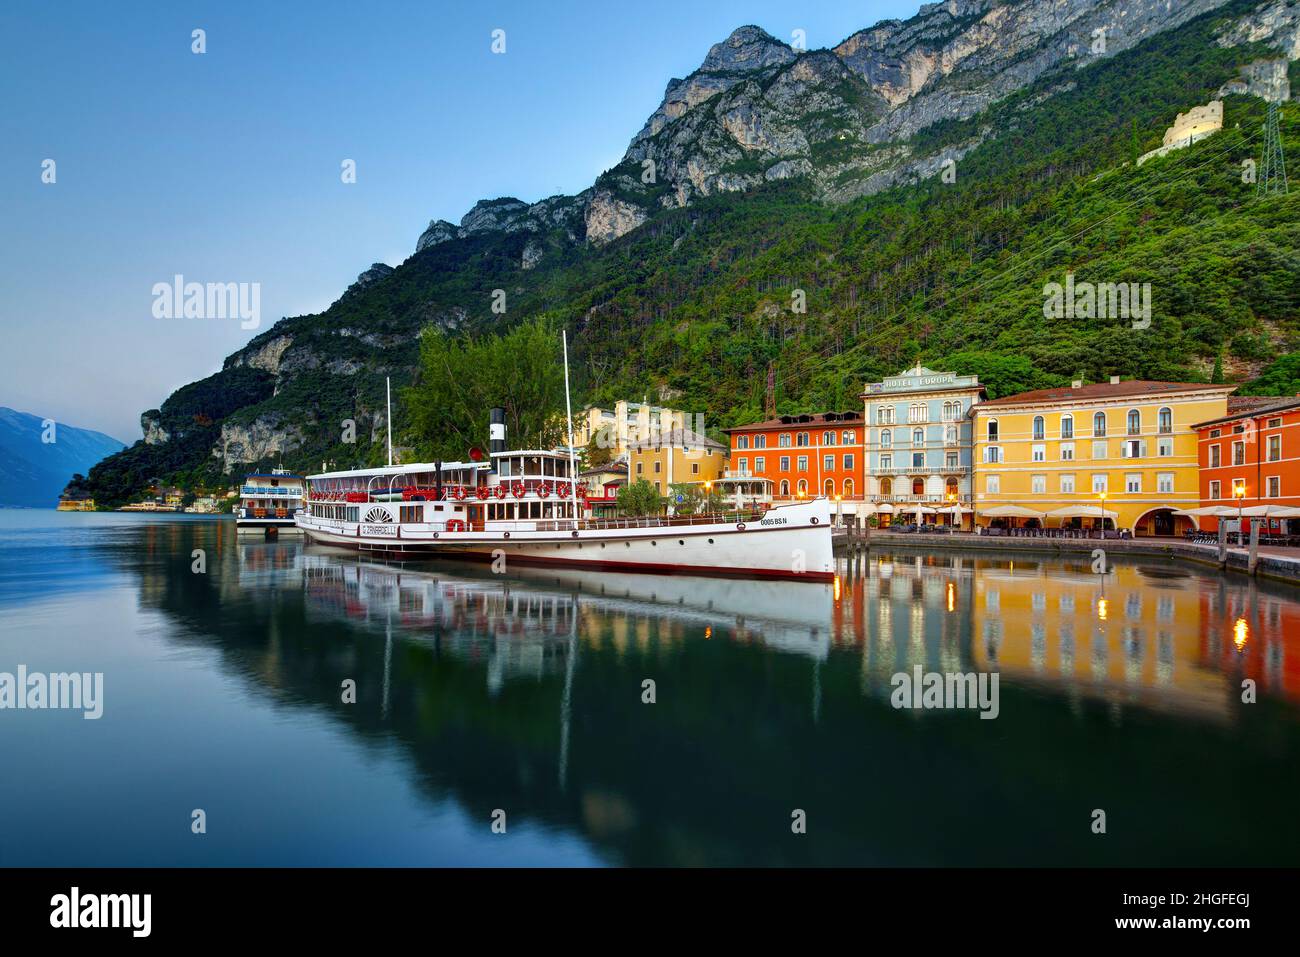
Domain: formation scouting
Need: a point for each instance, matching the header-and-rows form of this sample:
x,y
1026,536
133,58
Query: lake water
x,y
523,694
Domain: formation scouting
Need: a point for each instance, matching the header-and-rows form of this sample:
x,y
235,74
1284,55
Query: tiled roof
x,y
1101,390
794,421
1242,406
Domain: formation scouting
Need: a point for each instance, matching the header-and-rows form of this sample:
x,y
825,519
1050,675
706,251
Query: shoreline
x,y
1271,564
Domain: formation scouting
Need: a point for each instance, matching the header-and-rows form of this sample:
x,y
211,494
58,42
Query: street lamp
x,y
1239,493
952,500
1102,495
839,509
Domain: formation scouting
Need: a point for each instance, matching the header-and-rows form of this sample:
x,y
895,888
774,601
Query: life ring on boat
x,y
740,526
501,491
481,492
455,525
459,492
355,497
561,489
582,491
519,489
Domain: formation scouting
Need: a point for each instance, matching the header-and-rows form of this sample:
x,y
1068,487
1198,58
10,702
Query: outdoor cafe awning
x,y
1081,511
1265,511
885,509
1011,511
1217,511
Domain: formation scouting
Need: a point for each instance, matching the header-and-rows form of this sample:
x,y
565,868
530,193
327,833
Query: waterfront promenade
x,y
1274,562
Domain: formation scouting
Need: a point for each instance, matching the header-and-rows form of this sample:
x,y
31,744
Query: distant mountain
x,y
815,219
33,472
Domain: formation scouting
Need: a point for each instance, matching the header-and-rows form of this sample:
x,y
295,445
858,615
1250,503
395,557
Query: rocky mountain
x,y
39,457
758,110
772,169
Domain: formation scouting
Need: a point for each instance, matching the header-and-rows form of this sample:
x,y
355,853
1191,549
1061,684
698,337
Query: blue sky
x,y
225,166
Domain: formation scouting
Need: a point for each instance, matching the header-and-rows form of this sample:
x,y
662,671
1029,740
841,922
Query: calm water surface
x,y
478,692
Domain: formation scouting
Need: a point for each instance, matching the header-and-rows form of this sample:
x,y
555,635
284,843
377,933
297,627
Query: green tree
x,y
1216,377
639,498
597,452
461,379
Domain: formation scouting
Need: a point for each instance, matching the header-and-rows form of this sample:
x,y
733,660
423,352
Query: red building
x,y
1254,448
804,456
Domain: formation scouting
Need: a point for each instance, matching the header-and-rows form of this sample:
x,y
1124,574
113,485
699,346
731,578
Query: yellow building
x,y
676,457
76,505
625,424
1067,453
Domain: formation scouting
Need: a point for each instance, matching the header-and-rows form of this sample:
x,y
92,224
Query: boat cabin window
x,y
411,514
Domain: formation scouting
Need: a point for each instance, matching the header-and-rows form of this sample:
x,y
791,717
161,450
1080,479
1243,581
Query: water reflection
x,y
526,691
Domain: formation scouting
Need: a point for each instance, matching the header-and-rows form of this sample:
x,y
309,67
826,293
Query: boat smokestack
x,y
496,431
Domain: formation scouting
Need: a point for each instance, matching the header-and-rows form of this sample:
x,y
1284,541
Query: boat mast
x,y
388,388
568,412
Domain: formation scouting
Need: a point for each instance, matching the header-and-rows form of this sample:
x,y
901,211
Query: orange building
x,y
804,456
1254,448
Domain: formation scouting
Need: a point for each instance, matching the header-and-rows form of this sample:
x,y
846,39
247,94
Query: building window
x,y
1133,482
885,415
1067,426
1238,453
847,437
803,487
1098,482
886,487
657,464
1215,488
785,488
639,467
785,463
695,468
917,412
918,436
760,465
828,438
993,430
1099,425
848,488
886,438
918,460
1099,450
784,440
1133,449
1165,483
952,411
848,463
1067,483
742,464
803,463
1238,484
1040,428
950,435
828,463
950,460
1273,424
1275,448
1274,486
1134,422
742,441
992,454
801,439
760,441
918,487
1038,453
1216,457
886,463
1164,448
1067,451
993,484
828,488
1038,484
1165,421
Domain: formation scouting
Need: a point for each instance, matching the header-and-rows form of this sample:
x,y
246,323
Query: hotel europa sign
x,y
929,380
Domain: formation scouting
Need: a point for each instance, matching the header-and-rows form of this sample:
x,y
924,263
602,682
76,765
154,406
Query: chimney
x,y
1076,384
496,433
1114,380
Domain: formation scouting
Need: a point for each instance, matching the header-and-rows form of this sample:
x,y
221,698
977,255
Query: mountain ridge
x,y
695,304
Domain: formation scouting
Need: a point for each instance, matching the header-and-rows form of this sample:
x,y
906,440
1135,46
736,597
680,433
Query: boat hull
x,y
791,542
